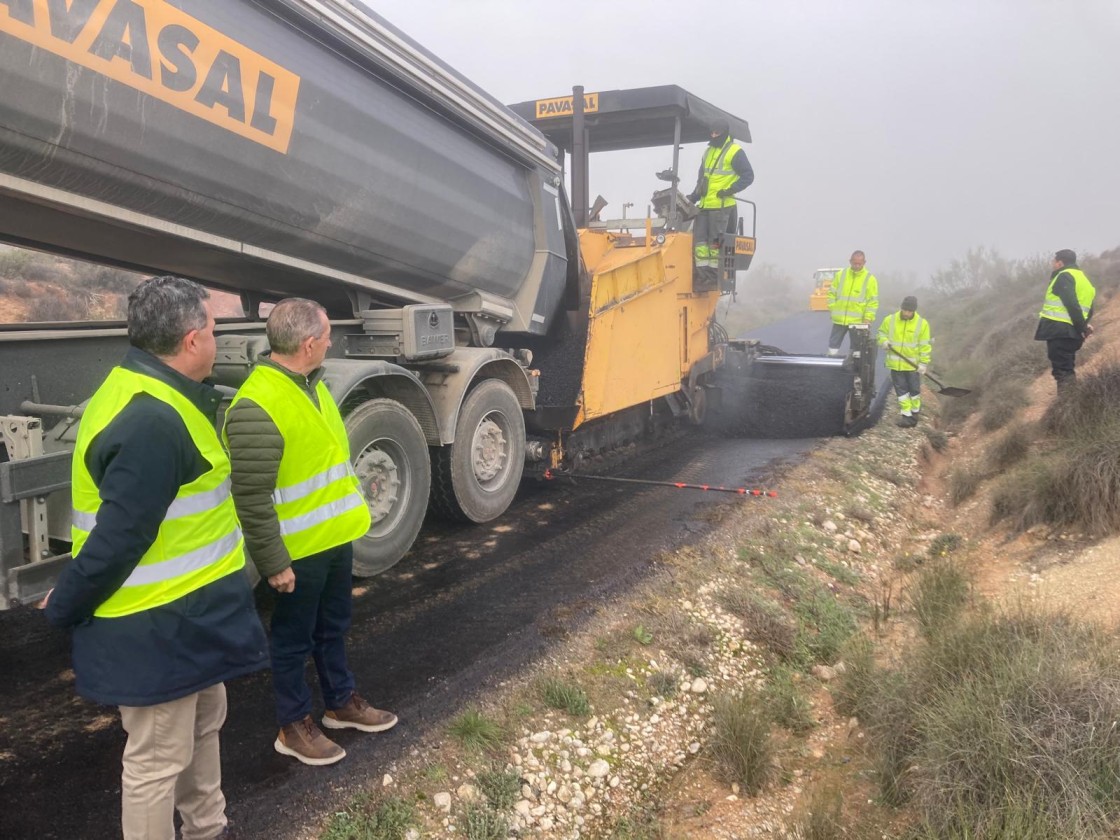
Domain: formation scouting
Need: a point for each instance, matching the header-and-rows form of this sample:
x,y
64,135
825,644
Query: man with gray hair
x,y
301,508
156,597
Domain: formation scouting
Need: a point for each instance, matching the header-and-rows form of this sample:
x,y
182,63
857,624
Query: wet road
x,y
465,610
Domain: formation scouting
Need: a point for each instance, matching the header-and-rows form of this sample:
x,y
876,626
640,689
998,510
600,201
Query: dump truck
x,y
481,321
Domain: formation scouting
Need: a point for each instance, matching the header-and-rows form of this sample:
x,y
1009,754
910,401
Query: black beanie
x,y
909,303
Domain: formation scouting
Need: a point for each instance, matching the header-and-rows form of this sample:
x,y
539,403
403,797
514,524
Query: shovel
x,y
944,390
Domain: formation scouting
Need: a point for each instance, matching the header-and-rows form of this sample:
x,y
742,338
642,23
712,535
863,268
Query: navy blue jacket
x,y
139,462
1065,287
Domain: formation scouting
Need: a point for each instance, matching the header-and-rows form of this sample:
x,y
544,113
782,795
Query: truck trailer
x,y
480,320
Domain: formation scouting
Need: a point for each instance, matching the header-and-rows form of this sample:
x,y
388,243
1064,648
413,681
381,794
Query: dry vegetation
x,y
39,287
939,713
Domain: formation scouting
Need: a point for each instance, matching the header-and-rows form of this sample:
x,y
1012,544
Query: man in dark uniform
x,y
1063,322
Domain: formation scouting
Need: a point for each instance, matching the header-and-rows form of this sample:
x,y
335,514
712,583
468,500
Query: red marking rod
x,y
680,485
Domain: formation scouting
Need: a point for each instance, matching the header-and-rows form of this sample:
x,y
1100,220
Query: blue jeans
x,y
313,620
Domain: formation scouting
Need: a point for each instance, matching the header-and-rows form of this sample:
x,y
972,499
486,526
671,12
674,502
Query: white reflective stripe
x,y
192,561
184,506
198,502
321,514
295,492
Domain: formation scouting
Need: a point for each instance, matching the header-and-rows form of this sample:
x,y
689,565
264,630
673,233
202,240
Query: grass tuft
x,y
565,696
939,595
480,822
476,732
741,745
390,820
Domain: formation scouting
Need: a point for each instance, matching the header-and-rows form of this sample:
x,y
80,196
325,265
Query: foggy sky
x,y
912,129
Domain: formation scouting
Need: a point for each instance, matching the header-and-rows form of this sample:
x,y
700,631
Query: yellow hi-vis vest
x,y
318,499
853,299
1052,306
199,540
720,175
910,338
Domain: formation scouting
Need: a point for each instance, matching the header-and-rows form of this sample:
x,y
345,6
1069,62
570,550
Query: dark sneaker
x,y
358,714
303,740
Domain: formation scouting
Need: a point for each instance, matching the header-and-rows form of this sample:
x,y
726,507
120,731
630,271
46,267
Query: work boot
x,y
907,422
303,740
356,713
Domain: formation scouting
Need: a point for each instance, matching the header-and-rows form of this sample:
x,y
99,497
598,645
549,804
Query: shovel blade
x,y
949,391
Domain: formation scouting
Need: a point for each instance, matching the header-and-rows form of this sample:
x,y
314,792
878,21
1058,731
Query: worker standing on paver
x,y
853,298
724,171
905,336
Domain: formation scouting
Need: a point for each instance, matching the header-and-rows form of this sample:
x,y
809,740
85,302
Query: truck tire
x,y
475,478
390,457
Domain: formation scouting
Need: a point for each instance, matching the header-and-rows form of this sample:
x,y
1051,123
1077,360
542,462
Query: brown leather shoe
x,y
358,714
303,740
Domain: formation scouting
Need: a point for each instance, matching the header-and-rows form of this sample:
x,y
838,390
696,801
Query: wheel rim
x,y
490,450
382,472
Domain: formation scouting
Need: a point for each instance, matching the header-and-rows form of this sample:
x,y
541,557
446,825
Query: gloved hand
x,y
693,197
724,194
922,367
886,345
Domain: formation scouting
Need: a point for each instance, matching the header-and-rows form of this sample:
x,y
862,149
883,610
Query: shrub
x,y
663,683
789,706
827,625
964,481
502,788
1077,487
1089,406
1010,448
1016,717
766,624
1002,402
57,308
741,745
945,544
939,595
854,691
820,817
480,822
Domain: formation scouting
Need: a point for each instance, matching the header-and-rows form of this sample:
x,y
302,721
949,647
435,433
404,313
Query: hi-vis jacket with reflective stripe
x,y
853,298
1054,309
910,338
199,540
719,174
317,498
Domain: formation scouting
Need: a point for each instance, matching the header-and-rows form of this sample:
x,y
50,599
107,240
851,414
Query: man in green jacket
x,y
300,508
853,298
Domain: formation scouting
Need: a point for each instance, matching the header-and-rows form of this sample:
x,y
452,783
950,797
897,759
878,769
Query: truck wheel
x,y
390,458
475,478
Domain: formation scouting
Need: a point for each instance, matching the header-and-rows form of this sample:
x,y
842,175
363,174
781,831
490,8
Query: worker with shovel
x,y
905,335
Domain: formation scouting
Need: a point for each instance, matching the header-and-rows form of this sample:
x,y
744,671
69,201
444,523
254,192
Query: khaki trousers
x,y
171,761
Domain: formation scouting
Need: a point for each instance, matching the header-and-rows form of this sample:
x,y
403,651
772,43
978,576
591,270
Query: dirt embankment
x,y
852,522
